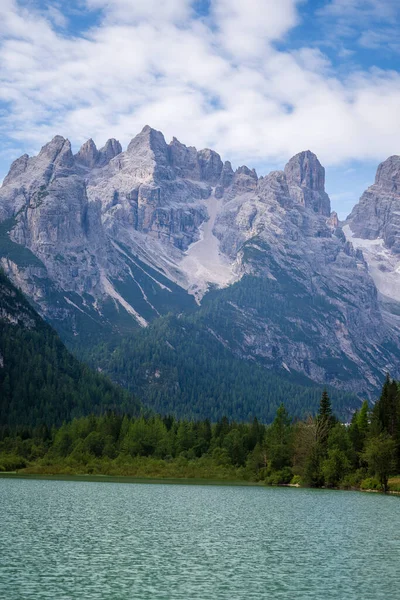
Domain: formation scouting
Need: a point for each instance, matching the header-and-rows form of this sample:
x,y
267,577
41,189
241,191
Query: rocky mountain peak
x,y
375,215
114,245
111,149
333,221
210,165
373,228
150,140
225,179
88,154
54,159
184,160
52,149
112,144
306,180
244,180
17,168
305,170
150,150
90,157
243,170
388,174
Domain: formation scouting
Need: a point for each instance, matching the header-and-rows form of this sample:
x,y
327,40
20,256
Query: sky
x,y
256,80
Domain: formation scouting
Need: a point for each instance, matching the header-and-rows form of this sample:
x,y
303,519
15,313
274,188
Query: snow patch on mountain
x,y
383,265
203,263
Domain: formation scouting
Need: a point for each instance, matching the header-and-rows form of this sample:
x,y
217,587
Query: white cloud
x,y
368,23
54,13
126,11
384,10
216,81
246,28
375,39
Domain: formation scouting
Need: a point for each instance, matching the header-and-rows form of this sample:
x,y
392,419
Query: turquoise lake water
x,y
83,540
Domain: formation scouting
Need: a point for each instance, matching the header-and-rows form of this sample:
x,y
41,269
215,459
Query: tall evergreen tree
x,y
279,440
325,419
386,410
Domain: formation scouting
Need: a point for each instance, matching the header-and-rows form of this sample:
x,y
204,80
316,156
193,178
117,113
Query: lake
x,y
83,540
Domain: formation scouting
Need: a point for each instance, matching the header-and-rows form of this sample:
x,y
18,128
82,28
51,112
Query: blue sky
x,y
257,80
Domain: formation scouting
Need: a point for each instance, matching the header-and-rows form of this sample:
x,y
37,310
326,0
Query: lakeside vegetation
x,y
319,451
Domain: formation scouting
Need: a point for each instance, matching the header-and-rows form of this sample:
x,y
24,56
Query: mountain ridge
x,y
121,238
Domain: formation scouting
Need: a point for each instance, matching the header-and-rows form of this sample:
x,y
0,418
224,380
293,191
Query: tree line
x,y
317,451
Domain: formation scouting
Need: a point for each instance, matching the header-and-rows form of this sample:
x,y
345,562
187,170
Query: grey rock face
x,y
184,160
111,149
13,310
378,212
225,179
58,156
274,187
244,180
90,157
388,175
17,168
107,237
374,228
151,153
210,165
88,154
306,180
283,233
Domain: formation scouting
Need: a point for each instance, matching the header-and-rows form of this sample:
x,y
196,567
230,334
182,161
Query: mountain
x,y
107,243
374,227
40,381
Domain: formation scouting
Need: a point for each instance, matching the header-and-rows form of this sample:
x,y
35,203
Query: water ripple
x,y
70,540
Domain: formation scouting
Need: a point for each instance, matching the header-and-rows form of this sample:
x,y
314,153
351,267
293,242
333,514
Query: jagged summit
x,y
306,180
148,137
111,149
88,154
305,170
388,174
52,149
376,214
111,239
175,159
91,157
373,226
17,168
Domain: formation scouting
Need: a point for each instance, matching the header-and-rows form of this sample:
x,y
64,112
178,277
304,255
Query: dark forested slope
x,y
40,381
179,365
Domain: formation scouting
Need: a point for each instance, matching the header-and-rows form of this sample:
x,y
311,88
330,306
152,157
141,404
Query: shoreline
x,y
171,481
130,479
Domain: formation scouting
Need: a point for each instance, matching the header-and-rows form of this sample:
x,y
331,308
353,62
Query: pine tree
x,y
325,407
385,412
279,440
363,419
325,419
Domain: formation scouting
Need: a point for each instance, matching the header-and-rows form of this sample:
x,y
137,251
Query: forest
x,y
40,380
174,366
319,451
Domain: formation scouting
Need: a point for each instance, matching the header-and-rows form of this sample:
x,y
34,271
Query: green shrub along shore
x,y
317,452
